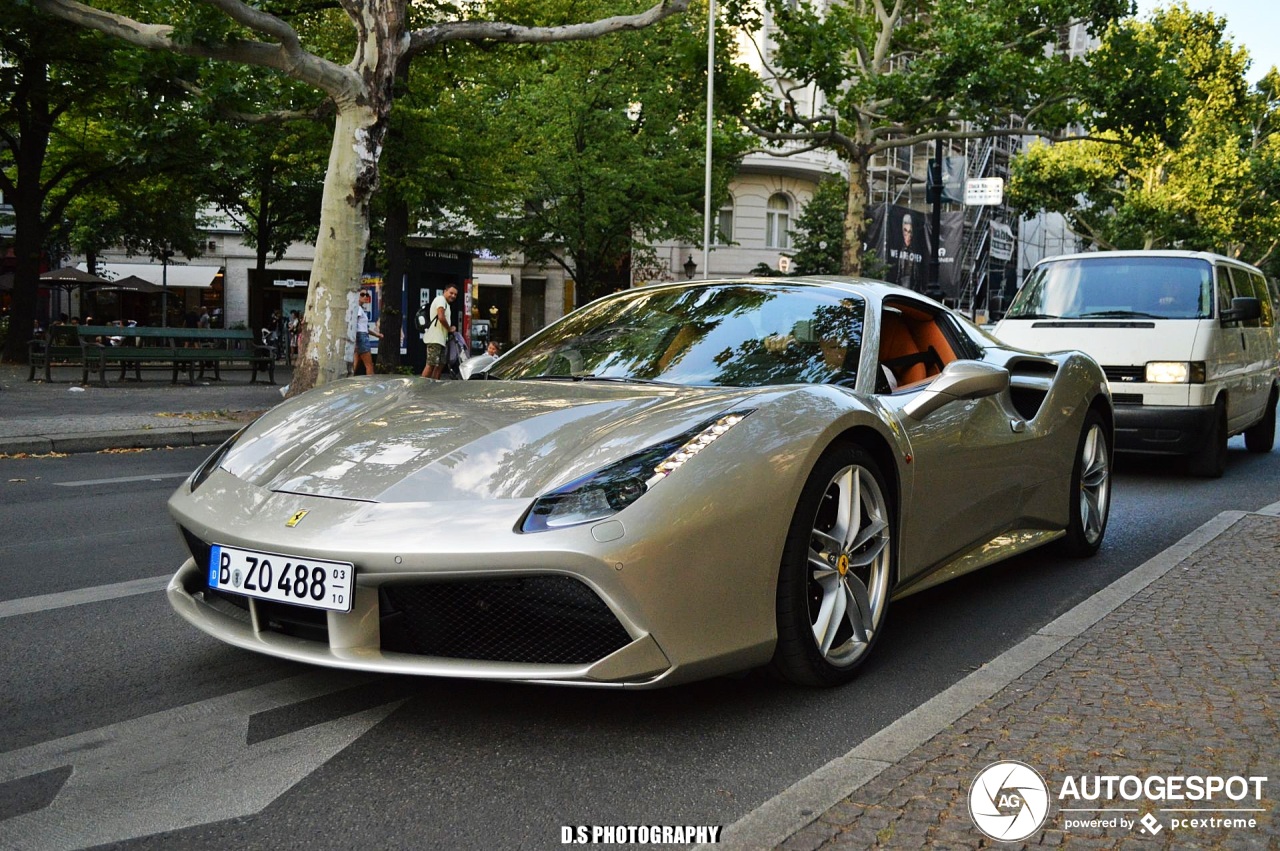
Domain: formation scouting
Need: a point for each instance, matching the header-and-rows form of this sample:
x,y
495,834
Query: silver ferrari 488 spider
x,y
670,483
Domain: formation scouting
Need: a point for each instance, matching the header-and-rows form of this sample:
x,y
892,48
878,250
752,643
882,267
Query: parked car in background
x,y
670,483
1188,341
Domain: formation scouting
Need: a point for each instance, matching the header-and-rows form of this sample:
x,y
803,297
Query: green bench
x,y
179,348
59,343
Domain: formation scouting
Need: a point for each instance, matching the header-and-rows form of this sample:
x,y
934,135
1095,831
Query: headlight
x,y
1175,372
206,469
607,491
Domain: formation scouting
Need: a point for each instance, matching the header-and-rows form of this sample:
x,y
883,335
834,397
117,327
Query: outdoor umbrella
x,y
128,284
70,275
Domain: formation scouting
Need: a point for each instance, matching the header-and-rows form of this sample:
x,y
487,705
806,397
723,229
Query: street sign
x,y
980,191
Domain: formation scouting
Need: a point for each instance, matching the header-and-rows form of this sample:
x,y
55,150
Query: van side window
x,y
1242,286
1264,297
1225,290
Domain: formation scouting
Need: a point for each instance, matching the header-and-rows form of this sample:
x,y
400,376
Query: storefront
x,y
184,293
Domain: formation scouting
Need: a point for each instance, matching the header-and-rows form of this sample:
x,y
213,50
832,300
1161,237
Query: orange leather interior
x,y
905,331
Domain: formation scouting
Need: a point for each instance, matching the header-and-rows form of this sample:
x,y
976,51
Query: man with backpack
x,y
436,336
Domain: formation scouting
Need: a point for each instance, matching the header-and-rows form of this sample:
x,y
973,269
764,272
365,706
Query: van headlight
x,y
1175,372
608,490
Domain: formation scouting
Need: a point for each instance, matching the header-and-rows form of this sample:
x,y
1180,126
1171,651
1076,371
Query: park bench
x,y
59,343
179,348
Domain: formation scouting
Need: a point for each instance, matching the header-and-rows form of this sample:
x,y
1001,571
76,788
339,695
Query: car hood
x,y
409,440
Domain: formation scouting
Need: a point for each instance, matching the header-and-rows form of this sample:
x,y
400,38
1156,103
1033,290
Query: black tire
x,y
820,582
1262,435
1210,460
1090,496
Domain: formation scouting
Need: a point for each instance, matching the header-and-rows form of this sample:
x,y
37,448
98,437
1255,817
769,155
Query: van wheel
x,y
1262,436
1210,460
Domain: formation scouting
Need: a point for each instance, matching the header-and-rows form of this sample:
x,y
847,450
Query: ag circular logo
x,y
1008,801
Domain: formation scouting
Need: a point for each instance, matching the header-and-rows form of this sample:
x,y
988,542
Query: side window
x,y
1242,285
1264,298
1224,289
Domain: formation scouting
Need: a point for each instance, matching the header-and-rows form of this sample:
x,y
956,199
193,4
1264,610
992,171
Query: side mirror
x,y
1243,309
962,379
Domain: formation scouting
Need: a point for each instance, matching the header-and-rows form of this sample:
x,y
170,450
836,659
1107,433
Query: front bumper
x,y
1162,429
648,599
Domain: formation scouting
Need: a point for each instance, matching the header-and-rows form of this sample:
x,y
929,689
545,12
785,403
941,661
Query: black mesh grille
x,y
199,549
1125,374
1127,398
549,620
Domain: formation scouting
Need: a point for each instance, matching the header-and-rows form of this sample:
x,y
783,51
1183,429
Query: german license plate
x,y
310,582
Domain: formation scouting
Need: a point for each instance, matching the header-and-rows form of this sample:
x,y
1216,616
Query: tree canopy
x,y
1204,178
354,68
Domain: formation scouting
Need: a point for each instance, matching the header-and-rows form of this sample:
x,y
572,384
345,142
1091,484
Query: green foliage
x,y
1193,164
604,151
894,74
819,229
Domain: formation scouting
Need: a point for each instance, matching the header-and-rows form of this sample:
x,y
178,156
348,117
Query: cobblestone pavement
x,y
1182,679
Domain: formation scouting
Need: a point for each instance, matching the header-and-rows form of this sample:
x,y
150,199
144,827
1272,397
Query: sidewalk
x,y
1171,672
38,418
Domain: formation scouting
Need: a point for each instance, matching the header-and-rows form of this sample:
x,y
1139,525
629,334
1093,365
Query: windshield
x,y
1117,287
741,335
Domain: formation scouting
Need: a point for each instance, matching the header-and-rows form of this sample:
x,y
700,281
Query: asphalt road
x,y
143,731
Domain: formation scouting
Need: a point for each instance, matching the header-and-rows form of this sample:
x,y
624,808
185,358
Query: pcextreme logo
x,y
1008,801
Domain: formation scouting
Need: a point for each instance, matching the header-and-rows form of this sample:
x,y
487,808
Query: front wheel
x,y
1090,496
833,584
1262,435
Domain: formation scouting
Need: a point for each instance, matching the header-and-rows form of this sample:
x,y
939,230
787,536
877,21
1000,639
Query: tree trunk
x,y
855,216
340,247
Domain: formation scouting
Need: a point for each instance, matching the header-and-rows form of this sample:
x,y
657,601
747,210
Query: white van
x,y
1188,342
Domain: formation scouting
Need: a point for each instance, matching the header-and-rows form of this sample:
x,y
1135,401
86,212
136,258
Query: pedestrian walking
x,y
364,334
437,334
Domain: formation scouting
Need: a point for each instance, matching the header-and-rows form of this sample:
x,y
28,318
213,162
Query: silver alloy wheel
x,y
849,558
1095,484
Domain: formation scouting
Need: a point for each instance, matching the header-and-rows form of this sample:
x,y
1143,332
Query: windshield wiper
x,y
622,379
1137,314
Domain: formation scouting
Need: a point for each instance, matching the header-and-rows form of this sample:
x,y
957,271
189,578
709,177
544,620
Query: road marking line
x,y
152,478
80,596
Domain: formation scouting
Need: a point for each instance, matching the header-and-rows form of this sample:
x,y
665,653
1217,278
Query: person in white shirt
x,y
364,345
438,331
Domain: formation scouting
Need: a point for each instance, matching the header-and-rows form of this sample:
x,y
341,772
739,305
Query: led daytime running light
x,y
705,438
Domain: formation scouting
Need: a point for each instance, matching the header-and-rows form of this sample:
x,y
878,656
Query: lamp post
x,y
706,209
690,268
164,287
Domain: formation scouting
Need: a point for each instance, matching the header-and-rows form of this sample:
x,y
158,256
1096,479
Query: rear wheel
x,y
1210,460
833,584
1090,496
1262,436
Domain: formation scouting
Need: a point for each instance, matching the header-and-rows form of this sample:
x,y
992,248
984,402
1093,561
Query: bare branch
x,y
296,63
435,34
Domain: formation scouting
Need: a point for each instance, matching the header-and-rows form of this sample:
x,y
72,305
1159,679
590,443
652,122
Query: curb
x,y
138,439
774,821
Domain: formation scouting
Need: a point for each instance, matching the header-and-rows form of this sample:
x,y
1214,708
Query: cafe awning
x,y
199,277
489,279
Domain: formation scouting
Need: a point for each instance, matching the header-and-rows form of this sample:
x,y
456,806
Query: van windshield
x,y
1100,287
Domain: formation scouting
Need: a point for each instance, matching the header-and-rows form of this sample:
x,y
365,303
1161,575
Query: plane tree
x,y
1206,178
358,83
897,73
